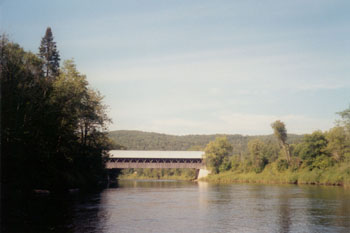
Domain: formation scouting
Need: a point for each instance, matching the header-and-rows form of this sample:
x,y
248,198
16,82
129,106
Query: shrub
x,y
282,165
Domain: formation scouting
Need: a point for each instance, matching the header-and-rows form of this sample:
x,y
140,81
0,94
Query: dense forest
x,y
139,140
52,122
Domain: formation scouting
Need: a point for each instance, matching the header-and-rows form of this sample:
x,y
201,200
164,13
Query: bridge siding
x,y
111,165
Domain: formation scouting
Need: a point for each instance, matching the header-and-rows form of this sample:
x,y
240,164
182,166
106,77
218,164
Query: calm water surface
x,y
175,206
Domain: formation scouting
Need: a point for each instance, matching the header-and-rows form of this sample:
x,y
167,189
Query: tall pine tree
x,y
50,55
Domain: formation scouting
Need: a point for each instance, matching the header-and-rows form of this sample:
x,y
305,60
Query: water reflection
x,y
174,206
284,211
203,196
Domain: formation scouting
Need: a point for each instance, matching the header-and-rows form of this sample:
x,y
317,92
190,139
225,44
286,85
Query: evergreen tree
x,y
50,55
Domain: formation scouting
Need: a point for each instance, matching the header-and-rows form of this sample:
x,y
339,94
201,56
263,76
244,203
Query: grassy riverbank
x,y
336,175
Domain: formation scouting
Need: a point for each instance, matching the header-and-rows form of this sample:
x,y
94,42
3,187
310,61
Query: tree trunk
x,y
287,151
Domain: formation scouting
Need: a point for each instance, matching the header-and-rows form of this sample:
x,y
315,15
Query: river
x,y
178,206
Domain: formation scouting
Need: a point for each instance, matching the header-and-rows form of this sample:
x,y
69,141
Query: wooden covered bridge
x,y
157,159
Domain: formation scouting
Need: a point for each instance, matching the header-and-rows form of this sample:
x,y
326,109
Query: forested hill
x,y
139,140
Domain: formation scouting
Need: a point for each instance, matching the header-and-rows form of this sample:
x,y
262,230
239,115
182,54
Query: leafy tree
x,y
50,55
216,152
271,151
280,132
313,150
257,150
345,121
282,165
337,142
81,120
23,109
41,142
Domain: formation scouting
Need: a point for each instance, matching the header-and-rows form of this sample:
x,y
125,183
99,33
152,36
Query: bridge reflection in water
x,y
158,159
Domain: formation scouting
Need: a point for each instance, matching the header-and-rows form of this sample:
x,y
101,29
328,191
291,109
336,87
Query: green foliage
x,y
153,173
257,150
216,152
295,164
138,140
345,121
337,143
50,55
196,148
322,162
315,145
280,132
235,162
225,165
271,151
282,165
51,128
335,175
319,158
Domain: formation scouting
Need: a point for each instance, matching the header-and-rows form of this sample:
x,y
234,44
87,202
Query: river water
x,y
178,206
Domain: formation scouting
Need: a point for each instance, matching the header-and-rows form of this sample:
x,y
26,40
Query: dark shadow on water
x,y
51,213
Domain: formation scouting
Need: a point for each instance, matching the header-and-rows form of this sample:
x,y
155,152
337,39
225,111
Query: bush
x,y
282,165
322,162
295,163
260,164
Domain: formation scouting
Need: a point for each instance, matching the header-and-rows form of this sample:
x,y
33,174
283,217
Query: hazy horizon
x,y
201,67
204,134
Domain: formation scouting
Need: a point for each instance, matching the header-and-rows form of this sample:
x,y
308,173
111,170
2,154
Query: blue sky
x,y
201,67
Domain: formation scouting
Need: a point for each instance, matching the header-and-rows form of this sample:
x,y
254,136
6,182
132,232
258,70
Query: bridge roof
x,y
156,154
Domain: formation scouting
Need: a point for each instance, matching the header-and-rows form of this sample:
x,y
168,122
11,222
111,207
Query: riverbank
x,y
336,175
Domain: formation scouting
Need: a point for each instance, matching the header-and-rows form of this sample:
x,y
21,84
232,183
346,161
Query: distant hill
x,y
139,140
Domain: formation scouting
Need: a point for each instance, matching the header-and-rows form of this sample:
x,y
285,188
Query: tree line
x,y
139,140
318,151
52,122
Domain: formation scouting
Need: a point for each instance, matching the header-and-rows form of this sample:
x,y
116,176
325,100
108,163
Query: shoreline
x,y
269,175
213,180
275,182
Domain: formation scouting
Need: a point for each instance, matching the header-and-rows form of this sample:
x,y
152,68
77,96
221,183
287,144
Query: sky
x,y
201,67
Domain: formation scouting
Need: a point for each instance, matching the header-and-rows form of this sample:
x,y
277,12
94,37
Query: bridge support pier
x,y
201,173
